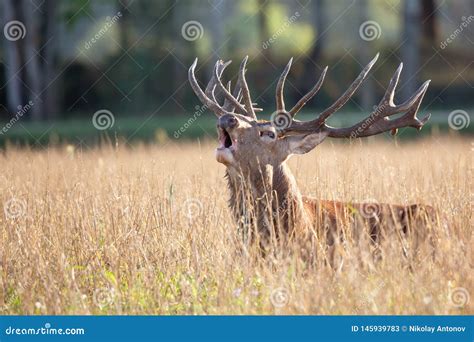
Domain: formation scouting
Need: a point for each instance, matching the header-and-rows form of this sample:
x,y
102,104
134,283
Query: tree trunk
x,y
50,54
32,63
315,55
410,48
366,97
12,61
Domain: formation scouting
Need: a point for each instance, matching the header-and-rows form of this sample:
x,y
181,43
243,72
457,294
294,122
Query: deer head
x,y
246,142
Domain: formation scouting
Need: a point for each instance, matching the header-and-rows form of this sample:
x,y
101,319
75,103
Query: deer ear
x,y
304,144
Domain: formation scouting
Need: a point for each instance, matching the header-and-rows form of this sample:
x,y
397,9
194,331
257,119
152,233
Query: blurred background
x,y
79,71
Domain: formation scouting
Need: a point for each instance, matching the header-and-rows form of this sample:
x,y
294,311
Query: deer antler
x,y
377,122
232,100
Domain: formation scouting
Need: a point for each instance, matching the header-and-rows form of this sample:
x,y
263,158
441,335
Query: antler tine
x,y
348,93
390,92
256,109
309,126
217,76
245,89
300,104
227,104
378,121
211,104
237,94
280,101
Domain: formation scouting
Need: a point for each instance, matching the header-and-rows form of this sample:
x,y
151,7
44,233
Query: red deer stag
x,y
264,195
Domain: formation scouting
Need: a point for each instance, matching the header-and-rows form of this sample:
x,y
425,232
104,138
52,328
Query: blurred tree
x,y
410,47
12,60
429,21
31,59
365,54
319,10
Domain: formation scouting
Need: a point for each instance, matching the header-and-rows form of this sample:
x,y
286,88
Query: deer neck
x,y
270,195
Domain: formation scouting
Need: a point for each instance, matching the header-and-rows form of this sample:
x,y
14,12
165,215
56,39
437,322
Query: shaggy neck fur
x,y
267,202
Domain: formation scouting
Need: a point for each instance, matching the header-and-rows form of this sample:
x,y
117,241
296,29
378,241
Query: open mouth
x,y
224,139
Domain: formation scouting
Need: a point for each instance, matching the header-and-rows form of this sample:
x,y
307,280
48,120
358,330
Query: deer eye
x,y
269,134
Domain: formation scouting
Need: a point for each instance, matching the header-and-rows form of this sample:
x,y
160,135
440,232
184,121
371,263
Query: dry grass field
x,y
146,230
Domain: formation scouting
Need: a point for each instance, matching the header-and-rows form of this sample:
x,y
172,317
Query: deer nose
x,y
227,121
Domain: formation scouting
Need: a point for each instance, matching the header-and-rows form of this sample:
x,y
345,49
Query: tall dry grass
x,y
147,231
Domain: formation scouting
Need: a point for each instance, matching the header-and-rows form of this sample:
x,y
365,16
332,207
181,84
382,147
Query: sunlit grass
x,y
147,231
